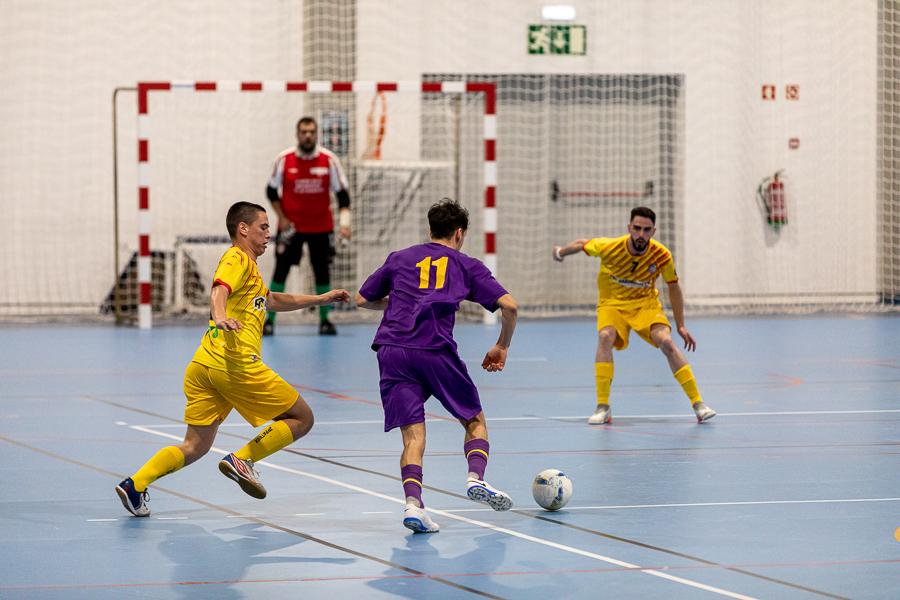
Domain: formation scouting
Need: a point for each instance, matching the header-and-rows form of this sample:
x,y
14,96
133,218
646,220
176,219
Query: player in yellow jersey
x,y
628,299
227,369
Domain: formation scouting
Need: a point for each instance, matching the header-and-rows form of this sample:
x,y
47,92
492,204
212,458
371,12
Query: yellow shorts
x,y
641,318
259,396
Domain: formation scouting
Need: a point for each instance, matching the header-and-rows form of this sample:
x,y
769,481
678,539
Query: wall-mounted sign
x,y
792,91
768,91
557,39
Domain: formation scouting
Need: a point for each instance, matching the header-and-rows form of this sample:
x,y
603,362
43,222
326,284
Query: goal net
x,y
203,146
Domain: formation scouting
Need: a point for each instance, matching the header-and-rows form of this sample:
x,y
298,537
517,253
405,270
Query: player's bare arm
x,y
217,303
281,302
495,359
677,300
574,247
362,302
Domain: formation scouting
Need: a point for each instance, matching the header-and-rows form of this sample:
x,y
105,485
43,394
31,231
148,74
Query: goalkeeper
x,y
628,299
306,176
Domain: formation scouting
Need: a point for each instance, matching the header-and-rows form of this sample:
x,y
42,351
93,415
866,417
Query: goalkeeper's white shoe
x,y
417,520
703,412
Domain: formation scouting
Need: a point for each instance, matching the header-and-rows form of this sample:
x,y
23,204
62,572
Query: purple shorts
x,y
409,376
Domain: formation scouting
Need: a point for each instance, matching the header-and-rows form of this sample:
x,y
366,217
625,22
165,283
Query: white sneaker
x,y
601,416
417,519
481,491
703,412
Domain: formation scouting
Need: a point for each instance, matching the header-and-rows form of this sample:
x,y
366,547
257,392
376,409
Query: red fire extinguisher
x,y
777,206
771,192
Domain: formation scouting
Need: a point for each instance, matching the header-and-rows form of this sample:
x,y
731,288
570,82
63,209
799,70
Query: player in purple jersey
x,y
420,289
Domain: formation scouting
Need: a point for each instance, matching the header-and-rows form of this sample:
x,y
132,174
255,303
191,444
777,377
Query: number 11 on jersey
x,y
425,272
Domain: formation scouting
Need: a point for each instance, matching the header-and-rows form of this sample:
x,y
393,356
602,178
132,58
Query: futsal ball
x,y
551,489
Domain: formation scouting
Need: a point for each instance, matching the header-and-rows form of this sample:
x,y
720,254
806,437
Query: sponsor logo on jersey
x,y
308,186
319,171
259,303
293,170
630,283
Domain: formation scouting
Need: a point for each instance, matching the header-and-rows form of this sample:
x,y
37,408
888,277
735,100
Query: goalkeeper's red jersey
x,y
306,183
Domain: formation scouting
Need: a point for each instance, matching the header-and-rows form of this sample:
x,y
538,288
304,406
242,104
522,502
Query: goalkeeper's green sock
x,y
323,310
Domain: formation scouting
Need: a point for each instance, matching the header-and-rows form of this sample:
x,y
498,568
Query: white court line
x,y
171,518
692,504
379,512
265,516
575,417
522,359
182,425
510,532
100,520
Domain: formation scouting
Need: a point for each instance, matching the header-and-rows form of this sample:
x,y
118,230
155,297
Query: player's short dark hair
x,y
241,212
306,121
445,217
643,211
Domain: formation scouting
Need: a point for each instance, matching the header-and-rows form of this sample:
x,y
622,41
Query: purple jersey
x,y
425,285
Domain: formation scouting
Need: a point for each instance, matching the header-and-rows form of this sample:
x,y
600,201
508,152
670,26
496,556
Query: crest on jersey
x,y
259,303
652,268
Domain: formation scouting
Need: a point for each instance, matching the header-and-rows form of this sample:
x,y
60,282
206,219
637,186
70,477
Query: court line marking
x,y
689,504
496,528
578,417
276,526
260,516
527,515
544,572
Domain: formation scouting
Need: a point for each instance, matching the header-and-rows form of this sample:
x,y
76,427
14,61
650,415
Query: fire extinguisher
x,y
777,205
773,198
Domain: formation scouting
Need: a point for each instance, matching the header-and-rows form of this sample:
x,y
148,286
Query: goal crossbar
x,y
145,88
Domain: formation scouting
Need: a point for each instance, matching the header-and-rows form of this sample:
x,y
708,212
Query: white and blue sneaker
x,y
417,520
244,474
134,501
481,491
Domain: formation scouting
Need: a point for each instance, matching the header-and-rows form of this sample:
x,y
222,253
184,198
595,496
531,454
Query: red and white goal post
x,y
148,90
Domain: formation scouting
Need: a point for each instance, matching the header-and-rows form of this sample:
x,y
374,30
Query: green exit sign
x,y
557,39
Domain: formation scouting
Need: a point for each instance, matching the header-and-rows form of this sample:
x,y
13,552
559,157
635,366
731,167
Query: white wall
x,y
59,64
726,49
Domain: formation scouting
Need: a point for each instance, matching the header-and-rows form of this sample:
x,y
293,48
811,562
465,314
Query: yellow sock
x,y
603,373
685,376
271,439
167,460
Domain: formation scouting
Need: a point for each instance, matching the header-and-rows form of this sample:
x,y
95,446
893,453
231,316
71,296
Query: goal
x,y
203,145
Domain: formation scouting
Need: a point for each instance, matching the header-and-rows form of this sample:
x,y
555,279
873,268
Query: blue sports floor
x,y
793,491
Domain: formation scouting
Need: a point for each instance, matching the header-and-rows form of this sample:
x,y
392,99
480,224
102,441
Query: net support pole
x,y
490,179
144,256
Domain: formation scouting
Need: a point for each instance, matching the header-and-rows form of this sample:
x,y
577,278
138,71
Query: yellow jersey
x,y
237,350
624,279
